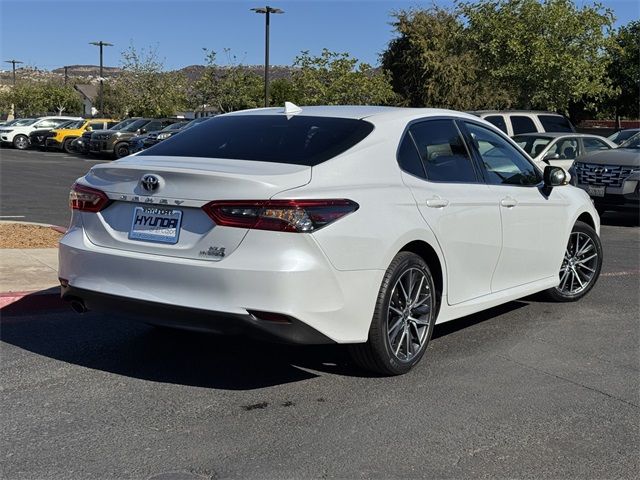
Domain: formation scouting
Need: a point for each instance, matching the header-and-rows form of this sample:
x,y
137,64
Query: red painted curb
x,y
12,303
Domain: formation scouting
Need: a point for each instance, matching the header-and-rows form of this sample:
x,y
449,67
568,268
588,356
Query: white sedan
x,y
357,225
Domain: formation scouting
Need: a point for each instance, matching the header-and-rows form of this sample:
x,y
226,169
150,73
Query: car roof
x,y
557,134
358,112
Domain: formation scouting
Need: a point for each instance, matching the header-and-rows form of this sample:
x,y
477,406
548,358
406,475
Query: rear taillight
x,y
279,215
87,199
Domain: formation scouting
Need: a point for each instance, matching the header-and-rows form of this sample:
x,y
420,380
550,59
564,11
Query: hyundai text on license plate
x,y
153,224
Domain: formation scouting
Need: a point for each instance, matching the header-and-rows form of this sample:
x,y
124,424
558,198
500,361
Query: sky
x,y
54,33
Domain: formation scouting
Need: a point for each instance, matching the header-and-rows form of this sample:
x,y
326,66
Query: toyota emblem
x,y
150,182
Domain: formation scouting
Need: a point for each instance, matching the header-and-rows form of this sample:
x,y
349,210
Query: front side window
x,y
594,144
534,145
443,152
566,149
522,124
503,163
555,123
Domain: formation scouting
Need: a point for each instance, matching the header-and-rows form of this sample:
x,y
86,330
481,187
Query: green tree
x,y
334,78
432,65
624,70
41,98
548,53
227,88
146,88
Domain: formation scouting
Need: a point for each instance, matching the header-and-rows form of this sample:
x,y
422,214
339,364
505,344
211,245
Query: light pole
x,y
101,44
266,11
13,62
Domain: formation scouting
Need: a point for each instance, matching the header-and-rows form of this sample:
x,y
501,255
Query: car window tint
x,y
498,121
502,162
594,144
521,124
566,149
153,126
408,157
299,139
443,153
555,123
96,125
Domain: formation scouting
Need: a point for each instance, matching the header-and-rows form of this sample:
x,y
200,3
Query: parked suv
x,y
81,144
611,177
18,134
37,138
61,139
517,122
116,143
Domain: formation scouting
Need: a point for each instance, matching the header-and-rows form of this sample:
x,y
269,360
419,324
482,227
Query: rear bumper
x,y
274,273
286,329
51,143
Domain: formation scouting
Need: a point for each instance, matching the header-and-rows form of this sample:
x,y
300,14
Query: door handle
x,y
508,202
437,202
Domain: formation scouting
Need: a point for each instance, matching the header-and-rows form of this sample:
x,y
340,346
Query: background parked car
x,y
611,177
517,122
18,133
116,143
167,132
622,136
560,149
81,144
61,139
37,138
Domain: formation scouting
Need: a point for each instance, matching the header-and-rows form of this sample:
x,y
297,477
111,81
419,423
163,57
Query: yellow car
x,y
61,139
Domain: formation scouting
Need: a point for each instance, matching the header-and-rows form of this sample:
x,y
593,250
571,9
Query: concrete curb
x,y
16,303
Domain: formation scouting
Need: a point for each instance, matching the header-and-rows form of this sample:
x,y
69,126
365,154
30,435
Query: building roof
x,y
90,92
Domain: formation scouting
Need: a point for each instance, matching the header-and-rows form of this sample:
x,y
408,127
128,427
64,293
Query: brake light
x,y
87,199
301,216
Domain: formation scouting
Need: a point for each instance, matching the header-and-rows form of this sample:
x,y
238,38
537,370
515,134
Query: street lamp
x,y
13,62
266,11
101,44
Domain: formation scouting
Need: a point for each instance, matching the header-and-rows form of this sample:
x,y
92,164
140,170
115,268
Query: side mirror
x,y
142,130
554,176
551,156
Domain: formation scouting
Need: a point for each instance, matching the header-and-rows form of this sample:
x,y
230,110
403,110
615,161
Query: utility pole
x,y
266,11
66,76
101,44
13,62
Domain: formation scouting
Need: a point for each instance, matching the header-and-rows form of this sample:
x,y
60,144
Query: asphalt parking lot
x,y
529,389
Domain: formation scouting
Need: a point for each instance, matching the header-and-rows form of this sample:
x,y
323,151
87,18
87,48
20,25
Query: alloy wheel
x,y
410,313
579,265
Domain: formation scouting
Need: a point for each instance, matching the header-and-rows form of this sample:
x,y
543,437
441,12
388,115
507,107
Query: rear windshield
x,y
300,140
555,123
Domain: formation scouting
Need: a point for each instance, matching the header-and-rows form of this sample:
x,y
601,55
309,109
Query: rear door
x,y
456,205
533,220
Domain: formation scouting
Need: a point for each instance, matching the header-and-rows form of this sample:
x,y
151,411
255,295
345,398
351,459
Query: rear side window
x,y
300,139
522,124
408,157
498,121
555,123
443,152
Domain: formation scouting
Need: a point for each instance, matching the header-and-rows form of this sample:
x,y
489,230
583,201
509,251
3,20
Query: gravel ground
x,y
17,235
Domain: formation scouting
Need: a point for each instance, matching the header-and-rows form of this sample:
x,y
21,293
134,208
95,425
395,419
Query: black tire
x,y
21,142
558,294
66,146
121,150
377,354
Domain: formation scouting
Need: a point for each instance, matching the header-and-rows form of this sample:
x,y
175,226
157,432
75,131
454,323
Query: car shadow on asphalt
x,y
161,355
620,219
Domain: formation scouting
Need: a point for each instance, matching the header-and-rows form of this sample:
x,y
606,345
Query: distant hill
x,y
90,73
